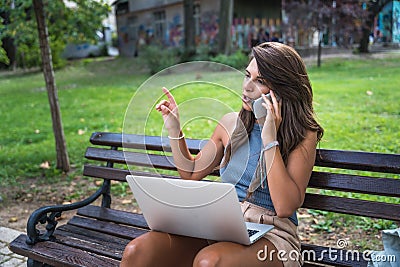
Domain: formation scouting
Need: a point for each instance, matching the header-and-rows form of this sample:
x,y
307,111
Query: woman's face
x,y
253,85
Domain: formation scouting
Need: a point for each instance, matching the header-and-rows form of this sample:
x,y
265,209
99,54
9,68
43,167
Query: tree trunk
x,y
374,7
319,49
61,148
225,22
190,45
364,41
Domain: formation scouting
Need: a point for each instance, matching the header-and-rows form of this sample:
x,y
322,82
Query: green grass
x,y
93,97
357,102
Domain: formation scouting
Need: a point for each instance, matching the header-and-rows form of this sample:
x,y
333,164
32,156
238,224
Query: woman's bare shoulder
x,y
226,126
229,120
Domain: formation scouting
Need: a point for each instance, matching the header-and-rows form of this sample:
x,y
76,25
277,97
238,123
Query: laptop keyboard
x,y
252,232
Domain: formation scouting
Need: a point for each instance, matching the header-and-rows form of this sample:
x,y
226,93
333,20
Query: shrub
x,y
28,54
158,58
237,60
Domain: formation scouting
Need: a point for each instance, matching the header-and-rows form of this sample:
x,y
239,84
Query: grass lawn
x,y
356,101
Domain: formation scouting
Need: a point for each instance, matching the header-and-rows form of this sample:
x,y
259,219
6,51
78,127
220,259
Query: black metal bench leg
x,y
33,263
106,201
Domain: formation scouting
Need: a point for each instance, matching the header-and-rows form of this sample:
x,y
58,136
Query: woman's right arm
x,y
189,166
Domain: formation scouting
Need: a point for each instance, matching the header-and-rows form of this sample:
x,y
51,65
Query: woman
x,y
280,149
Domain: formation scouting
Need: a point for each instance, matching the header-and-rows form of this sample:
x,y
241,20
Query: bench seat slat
x,y
118,230
111,215
310,264
56,254
91,241
352,206
355,183
337,257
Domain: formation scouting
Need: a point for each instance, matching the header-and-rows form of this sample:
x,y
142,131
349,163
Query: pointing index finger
x,y
169,95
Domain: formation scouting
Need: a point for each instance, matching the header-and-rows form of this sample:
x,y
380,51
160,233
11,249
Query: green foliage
x,y
119,189
237,60
57,47
65,25
158,58
203,53
3,55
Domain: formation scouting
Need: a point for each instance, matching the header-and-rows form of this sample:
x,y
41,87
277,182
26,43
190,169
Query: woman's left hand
x,y
273,119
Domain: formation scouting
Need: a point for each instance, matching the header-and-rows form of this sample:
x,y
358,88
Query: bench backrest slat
x,y
354,160
358,160
115,174
355,183
131,158
155,143
352,206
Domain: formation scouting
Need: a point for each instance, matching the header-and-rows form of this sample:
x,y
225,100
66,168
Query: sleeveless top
x,y
242,167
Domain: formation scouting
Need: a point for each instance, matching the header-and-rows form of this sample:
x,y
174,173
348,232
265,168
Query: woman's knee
x,y
133,248
207,258
137,248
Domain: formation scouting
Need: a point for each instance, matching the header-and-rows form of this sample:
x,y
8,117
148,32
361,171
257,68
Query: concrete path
x,y
7,258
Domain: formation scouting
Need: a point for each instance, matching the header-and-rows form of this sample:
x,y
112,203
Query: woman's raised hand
x,y
169,111
274,117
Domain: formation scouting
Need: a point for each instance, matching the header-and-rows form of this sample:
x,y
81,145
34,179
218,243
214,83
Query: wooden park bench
x,y
97,235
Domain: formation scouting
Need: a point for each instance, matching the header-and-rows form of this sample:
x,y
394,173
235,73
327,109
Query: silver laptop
x,y
201,209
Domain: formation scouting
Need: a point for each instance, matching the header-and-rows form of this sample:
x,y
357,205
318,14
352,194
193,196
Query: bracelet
x,y
177,138
270,145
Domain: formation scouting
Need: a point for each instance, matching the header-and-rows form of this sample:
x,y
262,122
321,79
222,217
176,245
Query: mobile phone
x,y
258,109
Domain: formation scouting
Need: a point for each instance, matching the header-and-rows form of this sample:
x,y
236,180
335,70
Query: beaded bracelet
x,y
177,138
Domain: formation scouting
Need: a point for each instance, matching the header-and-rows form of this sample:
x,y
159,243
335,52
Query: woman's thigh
x,y
162,249
262,253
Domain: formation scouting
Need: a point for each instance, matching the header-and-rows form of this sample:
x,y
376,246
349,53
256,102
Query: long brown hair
x,y
285,73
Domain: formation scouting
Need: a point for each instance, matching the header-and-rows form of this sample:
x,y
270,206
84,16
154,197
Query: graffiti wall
x,y
388,24
165,26
396,22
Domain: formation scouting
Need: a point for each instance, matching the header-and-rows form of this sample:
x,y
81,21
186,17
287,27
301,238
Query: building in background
x,y
387,24
143,22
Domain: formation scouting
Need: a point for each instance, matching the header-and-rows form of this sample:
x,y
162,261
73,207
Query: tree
x,y
373,8
61,148
188,6
349,20
65,25
225,22
308,17
3,54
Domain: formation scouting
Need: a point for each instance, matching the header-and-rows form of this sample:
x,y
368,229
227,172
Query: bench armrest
x,y
50,213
